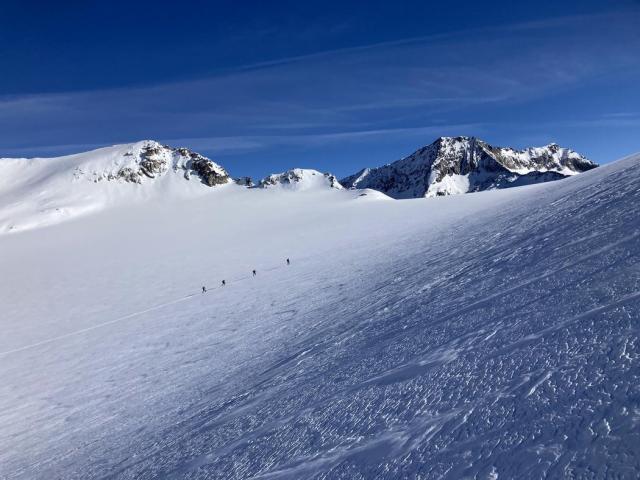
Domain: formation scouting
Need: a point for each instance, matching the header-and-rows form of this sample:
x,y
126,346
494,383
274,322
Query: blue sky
x,y
265,86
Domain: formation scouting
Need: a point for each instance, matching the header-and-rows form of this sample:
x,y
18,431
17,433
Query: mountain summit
x,y
453,165
300,179
141,161
42,191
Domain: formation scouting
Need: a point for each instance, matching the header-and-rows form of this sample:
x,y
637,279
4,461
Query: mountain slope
x,y
493,335
42,191
453,165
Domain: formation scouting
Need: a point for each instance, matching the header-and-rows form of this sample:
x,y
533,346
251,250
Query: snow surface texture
x,y
491,335
453,165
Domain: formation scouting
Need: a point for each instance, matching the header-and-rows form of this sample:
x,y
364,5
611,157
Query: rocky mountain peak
x,y
147,160
453,165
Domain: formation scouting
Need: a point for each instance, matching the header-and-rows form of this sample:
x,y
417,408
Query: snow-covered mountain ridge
x,y
147,160
43,191
453,165
300,179
36,192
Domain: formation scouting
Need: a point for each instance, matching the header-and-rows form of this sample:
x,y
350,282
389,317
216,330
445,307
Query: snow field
x,y
483,335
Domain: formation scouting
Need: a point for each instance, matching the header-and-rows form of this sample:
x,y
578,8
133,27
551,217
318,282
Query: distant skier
x,y
223,283
204,289
254,273
288,262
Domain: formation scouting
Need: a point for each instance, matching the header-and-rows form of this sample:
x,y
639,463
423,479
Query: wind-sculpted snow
x,y
493,335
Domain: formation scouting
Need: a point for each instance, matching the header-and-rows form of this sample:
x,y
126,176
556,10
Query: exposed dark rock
x,y
151,164
154,160
210,174
244,181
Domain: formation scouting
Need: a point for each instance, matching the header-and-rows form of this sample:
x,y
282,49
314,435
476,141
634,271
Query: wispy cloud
x,y
335,96
256,142
610,120
253,143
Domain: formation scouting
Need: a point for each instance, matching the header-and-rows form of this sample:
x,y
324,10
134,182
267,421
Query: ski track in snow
x,y
99,325
498,338
123,318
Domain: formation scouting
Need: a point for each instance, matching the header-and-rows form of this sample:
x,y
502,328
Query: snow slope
x,y
490,335
454,165
42,191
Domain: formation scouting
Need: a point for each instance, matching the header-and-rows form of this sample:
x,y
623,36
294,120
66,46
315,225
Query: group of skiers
x,y
204,289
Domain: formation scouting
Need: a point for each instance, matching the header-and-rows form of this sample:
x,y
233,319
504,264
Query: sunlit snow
x,y
486,335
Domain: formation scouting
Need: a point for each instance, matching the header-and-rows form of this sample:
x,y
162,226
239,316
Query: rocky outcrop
x,y
244,181
210,173
151,160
